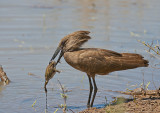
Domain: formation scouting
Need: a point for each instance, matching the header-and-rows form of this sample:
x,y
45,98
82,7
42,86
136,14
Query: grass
x,y
116,106
55,110
115,109
154,48
34,103
64,96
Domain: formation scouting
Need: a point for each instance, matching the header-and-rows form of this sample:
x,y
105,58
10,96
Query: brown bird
x,y
94,61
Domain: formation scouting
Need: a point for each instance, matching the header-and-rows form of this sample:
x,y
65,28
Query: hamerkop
x,y
94,61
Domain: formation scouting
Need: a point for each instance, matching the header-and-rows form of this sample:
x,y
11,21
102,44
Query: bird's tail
x,y
135,59
128,61
131,60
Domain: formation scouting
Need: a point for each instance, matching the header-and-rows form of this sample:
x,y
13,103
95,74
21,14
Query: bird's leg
x,y
90,91
95,90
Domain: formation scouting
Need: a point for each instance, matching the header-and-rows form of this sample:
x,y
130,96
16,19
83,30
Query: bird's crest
x,y
75,40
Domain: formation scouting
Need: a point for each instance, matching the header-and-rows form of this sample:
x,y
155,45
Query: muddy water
x,y
30,32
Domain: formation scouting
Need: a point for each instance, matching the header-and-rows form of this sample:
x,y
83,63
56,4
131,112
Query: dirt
x,y
144,103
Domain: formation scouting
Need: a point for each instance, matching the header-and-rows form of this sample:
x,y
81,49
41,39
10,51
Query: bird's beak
x,y
56,53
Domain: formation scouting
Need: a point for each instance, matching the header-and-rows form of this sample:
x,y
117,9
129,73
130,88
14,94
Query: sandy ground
x,y
140,104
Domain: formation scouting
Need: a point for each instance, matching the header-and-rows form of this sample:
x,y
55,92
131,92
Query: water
x,y
31,30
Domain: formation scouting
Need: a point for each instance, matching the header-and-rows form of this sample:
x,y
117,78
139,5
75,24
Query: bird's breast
x,y
75,60
72,59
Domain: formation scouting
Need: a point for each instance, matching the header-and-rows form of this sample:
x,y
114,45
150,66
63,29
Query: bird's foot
x,y
88,106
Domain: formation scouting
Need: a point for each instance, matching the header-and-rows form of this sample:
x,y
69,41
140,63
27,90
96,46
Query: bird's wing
x,y
94,60
108,53
100,61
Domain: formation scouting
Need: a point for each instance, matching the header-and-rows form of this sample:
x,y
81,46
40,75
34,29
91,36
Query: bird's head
x,y
70,43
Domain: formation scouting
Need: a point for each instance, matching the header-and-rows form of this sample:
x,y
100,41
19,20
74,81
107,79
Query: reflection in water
x,y
30,32
46,100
